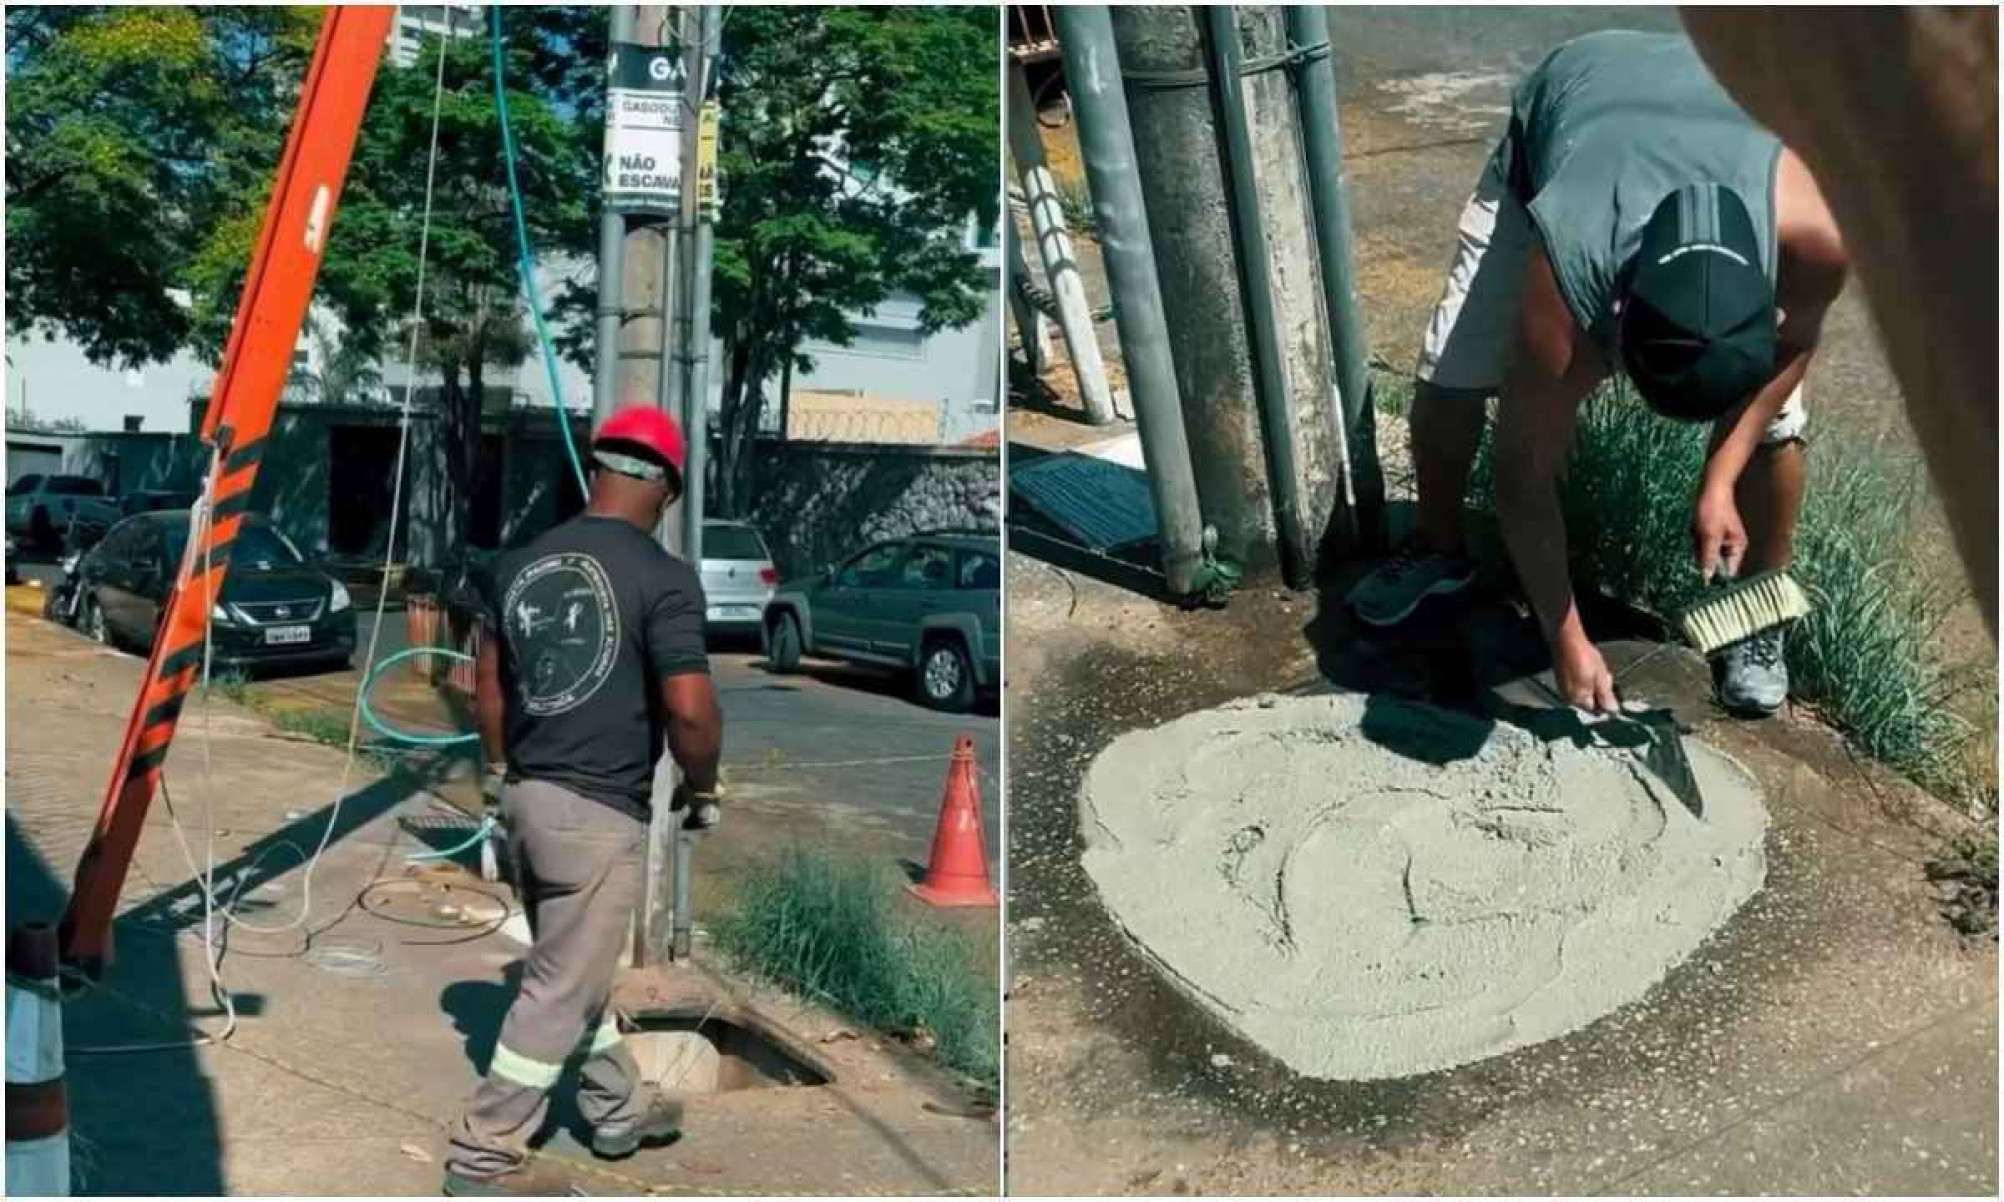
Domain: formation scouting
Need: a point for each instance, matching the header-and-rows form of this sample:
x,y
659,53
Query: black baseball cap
x,y
1698,326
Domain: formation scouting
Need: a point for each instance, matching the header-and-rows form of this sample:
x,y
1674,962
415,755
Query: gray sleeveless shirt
x,y
1605,128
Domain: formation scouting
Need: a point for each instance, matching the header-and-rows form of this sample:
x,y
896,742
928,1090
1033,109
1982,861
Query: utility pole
x,y
1054,247
1219,151
640,370
702,30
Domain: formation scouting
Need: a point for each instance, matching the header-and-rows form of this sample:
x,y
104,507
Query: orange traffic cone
x,y
958,874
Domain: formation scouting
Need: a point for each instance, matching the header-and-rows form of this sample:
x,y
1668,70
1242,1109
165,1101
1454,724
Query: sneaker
x,y
1395,588
1751,676
660,1125
532,1179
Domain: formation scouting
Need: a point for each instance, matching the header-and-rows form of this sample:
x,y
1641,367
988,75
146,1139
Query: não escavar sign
x,y
642,171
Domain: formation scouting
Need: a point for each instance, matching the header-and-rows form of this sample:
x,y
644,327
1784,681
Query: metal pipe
x,y
695,425
1329,201
611,277
1054,248
696,400
1106,143
1227,62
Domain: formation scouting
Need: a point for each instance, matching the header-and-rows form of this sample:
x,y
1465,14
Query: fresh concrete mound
x,y
1362,912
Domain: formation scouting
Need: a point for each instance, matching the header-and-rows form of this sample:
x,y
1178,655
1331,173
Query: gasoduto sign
x,y
644,120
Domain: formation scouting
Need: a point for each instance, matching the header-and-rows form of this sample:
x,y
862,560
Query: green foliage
x,y
1863,656
828,929
133,134
855,143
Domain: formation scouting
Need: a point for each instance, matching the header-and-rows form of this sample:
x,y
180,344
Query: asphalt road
x,y
841,753
836,757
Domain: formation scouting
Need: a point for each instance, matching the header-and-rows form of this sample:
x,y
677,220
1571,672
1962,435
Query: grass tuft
x,y
827,927
1861,658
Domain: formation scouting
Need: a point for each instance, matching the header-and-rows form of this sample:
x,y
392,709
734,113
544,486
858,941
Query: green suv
x,y
930,603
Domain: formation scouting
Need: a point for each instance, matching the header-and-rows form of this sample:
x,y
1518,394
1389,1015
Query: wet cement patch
x,y
1374,888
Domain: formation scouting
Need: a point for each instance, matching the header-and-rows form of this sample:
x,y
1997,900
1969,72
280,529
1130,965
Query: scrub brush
x,y
1742,609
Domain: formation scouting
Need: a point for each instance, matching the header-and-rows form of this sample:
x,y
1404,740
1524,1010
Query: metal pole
x,y
1269,378
696,326
1106,143
1329,196
611,253
1054,247
696,410
1030,326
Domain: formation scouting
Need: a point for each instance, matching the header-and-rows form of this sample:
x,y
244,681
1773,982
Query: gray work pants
x,y
579,871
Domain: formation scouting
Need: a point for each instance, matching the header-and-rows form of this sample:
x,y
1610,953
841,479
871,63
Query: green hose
x,y
384,729
390,732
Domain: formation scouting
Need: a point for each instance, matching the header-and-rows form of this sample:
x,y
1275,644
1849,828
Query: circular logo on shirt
x,y
563,627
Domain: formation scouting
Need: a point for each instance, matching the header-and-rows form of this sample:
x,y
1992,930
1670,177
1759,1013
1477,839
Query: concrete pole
x,y
643,262
1093,71
645,266
1030,324
611,252
1054,247
1178,143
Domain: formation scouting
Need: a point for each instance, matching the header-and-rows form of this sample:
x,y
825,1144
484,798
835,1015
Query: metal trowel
x,y
1654,737
1662,752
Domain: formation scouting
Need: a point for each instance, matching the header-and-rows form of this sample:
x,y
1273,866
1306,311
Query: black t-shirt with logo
x,y
590,617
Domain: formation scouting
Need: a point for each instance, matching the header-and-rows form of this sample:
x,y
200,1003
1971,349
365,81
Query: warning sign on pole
x,y
707,194
643,130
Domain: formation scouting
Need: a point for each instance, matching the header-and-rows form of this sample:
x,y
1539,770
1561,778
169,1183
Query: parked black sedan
x,y
276,608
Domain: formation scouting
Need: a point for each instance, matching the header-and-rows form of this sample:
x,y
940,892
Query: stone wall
x,y
818,503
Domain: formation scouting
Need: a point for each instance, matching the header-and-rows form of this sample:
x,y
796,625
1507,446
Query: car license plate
x,y
288,634
733,613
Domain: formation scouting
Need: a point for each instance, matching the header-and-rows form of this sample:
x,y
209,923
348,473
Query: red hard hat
x,y
645,426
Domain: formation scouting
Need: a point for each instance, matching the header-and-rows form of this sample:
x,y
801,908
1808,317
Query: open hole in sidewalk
x,y
697,1053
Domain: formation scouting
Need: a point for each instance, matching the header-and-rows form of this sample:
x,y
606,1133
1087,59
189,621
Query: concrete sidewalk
x,y
1836,1036
352,1053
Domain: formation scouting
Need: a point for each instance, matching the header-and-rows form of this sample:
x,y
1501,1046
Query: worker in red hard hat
x,y
594,662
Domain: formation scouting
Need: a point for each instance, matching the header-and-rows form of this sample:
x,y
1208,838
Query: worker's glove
x,y
702,809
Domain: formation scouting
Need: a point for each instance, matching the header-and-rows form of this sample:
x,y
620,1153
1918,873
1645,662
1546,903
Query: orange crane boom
x,y
277,291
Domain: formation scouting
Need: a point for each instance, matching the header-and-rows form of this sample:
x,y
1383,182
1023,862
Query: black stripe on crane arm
x,y
146,762
166,711
243,457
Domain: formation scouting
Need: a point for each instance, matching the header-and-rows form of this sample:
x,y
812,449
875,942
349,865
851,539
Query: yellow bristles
x,y
1742,609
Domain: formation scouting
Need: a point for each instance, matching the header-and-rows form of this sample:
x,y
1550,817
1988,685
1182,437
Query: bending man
x,y
1632,218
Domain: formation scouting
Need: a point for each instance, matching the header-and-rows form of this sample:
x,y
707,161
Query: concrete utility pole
x,y
639,372
1268,509
1054,247
644,261
1030,324
605,382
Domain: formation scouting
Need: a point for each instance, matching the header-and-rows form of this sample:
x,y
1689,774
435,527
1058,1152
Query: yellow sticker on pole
x,y
708,190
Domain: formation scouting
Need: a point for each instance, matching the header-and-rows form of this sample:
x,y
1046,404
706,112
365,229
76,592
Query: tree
x,y
473,315
136,137
343,372
141,145
856,142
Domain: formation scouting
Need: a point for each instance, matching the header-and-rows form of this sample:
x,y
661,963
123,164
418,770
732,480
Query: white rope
x,y
199,520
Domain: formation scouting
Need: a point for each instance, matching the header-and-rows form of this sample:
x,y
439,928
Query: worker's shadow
x,y
1468,657
476,1009
1453,655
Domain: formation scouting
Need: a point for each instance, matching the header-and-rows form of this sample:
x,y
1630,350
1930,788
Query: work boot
x,y
661,1124
533,1178
1395,588
1751,676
